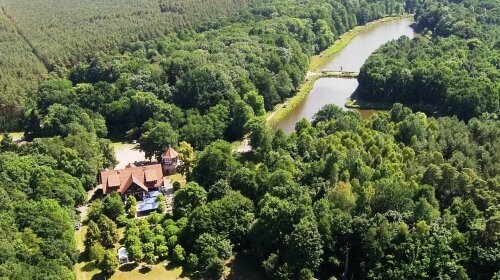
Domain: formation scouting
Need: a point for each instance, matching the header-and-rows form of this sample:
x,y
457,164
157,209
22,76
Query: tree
x,y
327,113
109,233
342,196
95,210
260,135
113,206
305,246
218,190
7,144
214,163
135,252
221,245
131,206
156,137
215,268
93,236
97,253
256,101
149,258
109,263
178,254
187,199
162,251
241,113
230,217
162,206
186,158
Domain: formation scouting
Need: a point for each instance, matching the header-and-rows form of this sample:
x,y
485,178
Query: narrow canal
x,y
351,58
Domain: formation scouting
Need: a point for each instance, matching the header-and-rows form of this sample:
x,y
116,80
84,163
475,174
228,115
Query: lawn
x,y
87,271
177,177
15,135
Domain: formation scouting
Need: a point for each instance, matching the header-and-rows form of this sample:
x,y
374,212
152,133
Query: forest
x,y
456,73
195,86
397,196
34,43
401,195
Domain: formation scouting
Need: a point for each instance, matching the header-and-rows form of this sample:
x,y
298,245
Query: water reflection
x,y
351,58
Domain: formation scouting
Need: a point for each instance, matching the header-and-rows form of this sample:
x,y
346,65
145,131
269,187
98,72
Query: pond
x,y
338,90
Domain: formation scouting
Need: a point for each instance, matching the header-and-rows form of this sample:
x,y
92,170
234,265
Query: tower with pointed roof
x,y
169,161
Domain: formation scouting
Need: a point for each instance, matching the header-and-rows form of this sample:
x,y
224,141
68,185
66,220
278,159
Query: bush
x,y
162,251
192,262
172,241
178,255
176,186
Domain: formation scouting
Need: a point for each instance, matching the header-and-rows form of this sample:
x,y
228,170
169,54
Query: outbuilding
x,y
123,255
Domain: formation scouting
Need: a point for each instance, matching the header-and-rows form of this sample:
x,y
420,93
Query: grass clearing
x,y
177,177
15,135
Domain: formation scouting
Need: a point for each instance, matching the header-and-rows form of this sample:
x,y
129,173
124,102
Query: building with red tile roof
x,y
132,179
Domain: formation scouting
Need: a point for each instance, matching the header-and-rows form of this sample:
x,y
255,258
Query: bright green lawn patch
x,y
15,135
177,177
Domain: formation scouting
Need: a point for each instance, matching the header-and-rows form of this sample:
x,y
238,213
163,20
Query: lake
x,y
338,90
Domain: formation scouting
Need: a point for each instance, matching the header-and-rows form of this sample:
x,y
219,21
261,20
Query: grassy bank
x,y
281,110
319,60
285,108
365,105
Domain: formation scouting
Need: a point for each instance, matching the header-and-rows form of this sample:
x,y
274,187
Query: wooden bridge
x,y
334,74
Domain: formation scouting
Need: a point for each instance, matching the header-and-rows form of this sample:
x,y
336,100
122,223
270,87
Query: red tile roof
x,y
145,177
169,153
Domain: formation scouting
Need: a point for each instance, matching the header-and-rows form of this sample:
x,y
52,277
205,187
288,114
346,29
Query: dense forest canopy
x,y
31,35
398,196
466,19
203,85
456,73
43,36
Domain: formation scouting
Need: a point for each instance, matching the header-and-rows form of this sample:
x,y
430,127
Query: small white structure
x,y
123,255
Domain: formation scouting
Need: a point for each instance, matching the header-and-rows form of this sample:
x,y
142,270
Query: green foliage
x,y
379,198
7,144
446,75
187,199
30,52
156,138
162,206
178,254
230,217
214,163
131,206
108,230
109,263
113,206
186,158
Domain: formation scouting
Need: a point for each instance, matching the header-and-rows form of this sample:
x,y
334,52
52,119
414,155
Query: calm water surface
x,y
351,58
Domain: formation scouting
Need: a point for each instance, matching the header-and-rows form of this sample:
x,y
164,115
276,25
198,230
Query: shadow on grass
x,y
88,267
128,267
99,276
171,266
244,267
144,269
